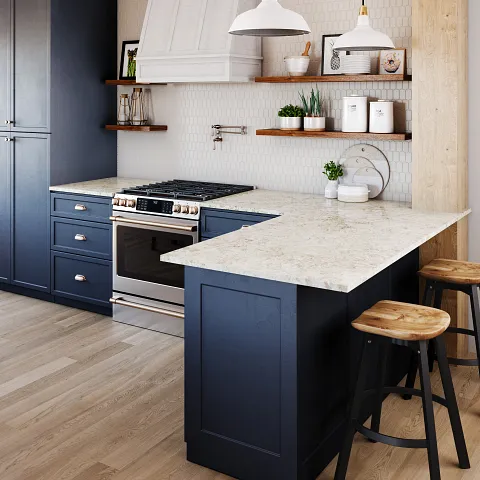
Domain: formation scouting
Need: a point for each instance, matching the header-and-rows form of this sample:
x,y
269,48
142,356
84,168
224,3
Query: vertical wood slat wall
x,y
440,134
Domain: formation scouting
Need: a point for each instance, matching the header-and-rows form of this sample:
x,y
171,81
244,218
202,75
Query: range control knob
x,y
122,202
177,209
115,201
185,209
131,203
193,210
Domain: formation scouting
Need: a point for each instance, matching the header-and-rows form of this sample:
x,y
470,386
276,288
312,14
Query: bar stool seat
x,y
452,271
410,326
403,321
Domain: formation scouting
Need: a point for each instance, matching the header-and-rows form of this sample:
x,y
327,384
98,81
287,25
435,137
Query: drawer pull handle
x,y
245,226
80,238
80,278
80,208
146,308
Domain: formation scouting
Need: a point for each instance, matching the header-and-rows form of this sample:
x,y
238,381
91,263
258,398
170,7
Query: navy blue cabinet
x,y
53,103
81,251
219,222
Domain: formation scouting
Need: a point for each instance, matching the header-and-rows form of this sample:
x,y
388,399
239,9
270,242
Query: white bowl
x,y
353,193
297,66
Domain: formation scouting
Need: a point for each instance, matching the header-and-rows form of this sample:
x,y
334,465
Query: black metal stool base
x,y
373,433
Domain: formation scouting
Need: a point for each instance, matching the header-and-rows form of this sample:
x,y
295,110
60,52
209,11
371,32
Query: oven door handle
x,y
146,308
129,221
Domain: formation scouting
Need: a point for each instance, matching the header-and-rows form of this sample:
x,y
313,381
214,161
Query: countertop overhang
x,y
314,242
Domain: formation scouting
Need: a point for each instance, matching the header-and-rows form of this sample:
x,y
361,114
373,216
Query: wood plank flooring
x,y
85,398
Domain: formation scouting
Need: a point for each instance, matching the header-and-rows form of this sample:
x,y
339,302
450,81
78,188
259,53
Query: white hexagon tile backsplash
x,y
290,164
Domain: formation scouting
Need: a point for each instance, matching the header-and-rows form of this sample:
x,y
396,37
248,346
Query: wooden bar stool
x,y
441,275
412,326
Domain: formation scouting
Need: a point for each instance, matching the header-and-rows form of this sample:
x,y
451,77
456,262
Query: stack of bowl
x,y
356,65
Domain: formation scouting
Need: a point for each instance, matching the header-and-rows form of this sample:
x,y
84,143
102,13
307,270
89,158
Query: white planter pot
x,y
314,124
290,123
331,190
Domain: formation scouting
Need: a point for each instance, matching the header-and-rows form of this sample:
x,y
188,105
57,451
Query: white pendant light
x,y
269,19
363,37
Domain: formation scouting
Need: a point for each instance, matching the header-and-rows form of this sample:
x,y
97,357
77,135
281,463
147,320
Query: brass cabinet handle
x,y
80,207
80,238
146,308
80,278
183,228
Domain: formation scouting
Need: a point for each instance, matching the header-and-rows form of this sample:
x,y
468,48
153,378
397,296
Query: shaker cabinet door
x,y
31,63
31,232
5,61
5,206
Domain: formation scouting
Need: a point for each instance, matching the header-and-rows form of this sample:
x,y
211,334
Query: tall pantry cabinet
x,y
53,105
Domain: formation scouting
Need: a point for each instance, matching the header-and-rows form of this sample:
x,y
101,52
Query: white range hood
x,y
186,41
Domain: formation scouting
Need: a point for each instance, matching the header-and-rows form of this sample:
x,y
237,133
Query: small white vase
x,y
290,123
314,124
331,190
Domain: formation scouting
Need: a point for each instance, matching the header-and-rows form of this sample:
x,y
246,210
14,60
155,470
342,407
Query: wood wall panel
x,y
440,132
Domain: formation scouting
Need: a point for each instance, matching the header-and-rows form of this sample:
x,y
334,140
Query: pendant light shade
x,y
363,37
269,19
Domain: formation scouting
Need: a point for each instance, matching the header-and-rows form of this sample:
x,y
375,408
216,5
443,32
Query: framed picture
x,y
331,60
128,63
393,62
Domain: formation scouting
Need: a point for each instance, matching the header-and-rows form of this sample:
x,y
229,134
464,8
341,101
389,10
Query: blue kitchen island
x,y
270,357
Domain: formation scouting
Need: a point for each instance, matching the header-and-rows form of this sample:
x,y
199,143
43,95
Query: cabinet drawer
x,y
82,238
82,278
218,222
78,207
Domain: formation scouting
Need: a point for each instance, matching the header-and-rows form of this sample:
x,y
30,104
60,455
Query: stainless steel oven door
x,y
138,242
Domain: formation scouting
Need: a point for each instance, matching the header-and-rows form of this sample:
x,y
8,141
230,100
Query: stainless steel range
x,y
149,221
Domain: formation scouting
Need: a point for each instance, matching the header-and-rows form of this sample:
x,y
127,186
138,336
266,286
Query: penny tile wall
x,y
291,164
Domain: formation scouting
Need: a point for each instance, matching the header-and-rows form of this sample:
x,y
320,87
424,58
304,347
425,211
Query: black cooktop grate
x,y
187,190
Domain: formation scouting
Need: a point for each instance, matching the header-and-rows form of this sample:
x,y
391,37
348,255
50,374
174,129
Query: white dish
x,y
374,155
371,177
353,193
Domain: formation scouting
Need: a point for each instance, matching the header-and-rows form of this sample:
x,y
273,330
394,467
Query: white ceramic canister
x,y
353,193
381,117
355,114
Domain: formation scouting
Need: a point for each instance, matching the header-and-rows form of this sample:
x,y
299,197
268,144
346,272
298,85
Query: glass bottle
x,y
123,117
138,115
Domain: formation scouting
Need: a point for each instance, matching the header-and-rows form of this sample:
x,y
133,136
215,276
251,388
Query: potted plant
x,y
291,117
314,106
333,173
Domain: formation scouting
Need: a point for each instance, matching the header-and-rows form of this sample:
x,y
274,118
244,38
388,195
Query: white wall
x,y
186,150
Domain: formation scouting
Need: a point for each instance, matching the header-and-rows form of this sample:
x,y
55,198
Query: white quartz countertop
x,y
315,242
105,187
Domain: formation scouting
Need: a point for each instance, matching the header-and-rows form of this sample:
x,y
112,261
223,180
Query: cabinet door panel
x,y
31,237
31,65
5,205
5,61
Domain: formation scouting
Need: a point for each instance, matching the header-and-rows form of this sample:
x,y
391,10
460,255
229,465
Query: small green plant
x,y
313,105
333,171
291,111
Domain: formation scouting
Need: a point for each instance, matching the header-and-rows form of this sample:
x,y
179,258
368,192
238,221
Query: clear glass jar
x,y
139,114
123,117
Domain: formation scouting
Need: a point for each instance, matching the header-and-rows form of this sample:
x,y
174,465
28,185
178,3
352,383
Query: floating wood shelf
x,y
336,79
128,83
143,128
274,132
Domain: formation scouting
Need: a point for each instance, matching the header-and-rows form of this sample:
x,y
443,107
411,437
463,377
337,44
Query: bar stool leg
x,y
475,303
344,457
452,404
382,373
431,346
412,373
428,415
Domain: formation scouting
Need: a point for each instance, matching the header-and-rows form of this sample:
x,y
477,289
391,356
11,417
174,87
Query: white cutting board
x,y
371,177
350,167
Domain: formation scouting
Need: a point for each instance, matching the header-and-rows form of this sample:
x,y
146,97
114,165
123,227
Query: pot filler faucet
x,y
219,130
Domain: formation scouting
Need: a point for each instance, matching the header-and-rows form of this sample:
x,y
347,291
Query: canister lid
x,y
353,189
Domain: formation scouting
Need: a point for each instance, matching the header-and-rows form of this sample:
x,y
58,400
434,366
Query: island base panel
x,y
270,369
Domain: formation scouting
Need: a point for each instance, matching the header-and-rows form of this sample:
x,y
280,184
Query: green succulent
x,y
333,171
314,104
291,111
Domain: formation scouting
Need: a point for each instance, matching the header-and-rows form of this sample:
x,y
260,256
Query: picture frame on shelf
x,y
393,62
128,63
331,60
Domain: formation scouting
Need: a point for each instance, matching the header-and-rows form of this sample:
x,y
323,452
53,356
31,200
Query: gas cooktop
x,y
186,190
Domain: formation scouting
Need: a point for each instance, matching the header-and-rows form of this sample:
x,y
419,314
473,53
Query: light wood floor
x,y
84,398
